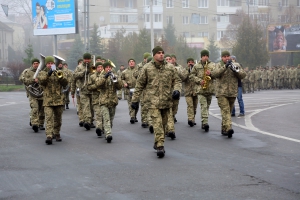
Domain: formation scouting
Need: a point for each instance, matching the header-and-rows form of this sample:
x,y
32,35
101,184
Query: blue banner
x,y
53,17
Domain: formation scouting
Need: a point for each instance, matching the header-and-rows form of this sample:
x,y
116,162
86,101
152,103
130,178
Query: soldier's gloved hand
x,y
176,95
228,63
134,105
50,72
107,74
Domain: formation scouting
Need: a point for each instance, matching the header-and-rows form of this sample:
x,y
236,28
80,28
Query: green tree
x,y
170,34
96,46
76,53
29,55
143,44
250,47
214,50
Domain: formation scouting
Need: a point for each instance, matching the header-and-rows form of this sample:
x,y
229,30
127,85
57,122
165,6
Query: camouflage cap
x,y
98,57
204,52
79,60
106,64
190,59
87,56
146,55
157,49
225,53
49,59
35,60
130,60
98,63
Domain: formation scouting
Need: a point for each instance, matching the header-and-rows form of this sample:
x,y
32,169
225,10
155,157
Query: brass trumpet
x,y
58,60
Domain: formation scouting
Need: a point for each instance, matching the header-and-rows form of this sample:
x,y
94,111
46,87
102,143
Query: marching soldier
x,y
82,73
204,86
129,80
36,103
226,89
161,83
52,84
108,85
271,78
92,86
69,75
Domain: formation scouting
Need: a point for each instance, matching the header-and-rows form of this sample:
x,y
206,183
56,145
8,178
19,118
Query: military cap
x,y
173,56
98,57
79,60
98,63
157,49
49,59
106,64
149,59
87,56
204,52
225,53
34,60
130,60
146,55
167,55
190,59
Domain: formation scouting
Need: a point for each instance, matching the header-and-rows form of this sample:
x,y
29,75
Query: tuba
x,y
206,78
93,68
35,89
58,60
111,63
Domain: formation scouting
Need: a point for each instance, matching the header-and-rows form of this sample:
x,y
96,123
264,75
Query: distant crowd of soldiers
x,y
274,78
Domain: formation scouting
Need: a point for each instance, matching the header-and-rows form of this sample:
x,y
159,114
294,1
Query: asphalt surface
x,y
261,161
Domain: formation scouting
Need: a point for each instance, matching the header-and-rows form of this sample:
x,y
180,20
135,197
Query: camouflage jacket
x,y
188,84
52,86
82,76
264,75
197,75
293,73
27,79
158,82
108,90
93,87
227,80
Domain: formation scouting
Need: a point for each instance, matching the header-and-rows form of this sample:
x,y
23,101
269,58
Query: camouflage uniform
x,y
226,90
95,98
53,101
75,89
264,77
245,83
83,76
108,100
271,78
158,80
128,77
251,80
37,115
120,92
293,77
69,74
204,95
179,70
275,76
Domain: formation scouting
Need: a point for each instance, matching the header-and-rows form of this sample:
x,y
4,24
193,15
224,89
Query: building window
x,y
113,3
285,3
186,34
157,18
128,3
170,4
155,2
223,18
202,3
123,18
220,34
203,20
147,17
170,20
185,19
253,2
185,3
264,17
283,18
235,3
203,34
223,3
263,2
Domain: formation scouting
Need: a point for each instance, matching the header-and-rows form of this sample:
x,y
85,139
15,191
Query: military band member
x,y
189,92
204,85
53,103
75,91
129,80
37,116
82,73
120,92
226,89
69,75
108,85
161,83
92,86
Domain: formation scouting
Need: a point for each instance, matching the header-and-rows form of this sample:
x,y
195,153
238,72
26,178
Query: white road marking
x,y
8,104
250,126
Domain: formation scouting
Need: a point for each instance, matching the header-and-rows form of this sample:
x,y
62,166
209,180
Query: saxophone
x,y
206,78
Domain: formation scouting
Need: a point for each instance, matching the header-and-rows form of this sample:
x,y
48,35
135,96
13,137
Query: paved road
x,y
261,161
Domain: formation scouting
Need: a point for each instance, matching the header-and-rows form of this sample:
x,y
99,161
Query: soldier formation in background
x,y
156,84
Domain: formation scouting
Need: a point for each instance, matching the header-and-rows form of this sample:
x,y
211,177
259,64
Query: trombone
x,y
58,60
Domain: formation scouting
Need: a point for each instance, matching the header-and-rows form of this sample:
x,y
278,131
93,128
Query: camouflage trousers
x,y
108,115
37,115
79,108
67,97
251,87
192,103
159,122
87,108
120,94
53,118
264,84
226,105
205,101
175,107
98,116
132,112
270,84
292,83
144,110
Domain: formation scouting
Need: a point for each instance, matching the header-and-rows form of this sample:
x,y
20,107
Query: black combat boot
x,y
135,120
144,125
67,106
109,138
132,120
151,129
224,133
87,126
175,120
99,132
48,140
81,124
230,133
191,123
35,128
205,127
160,152
58,138
171,135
